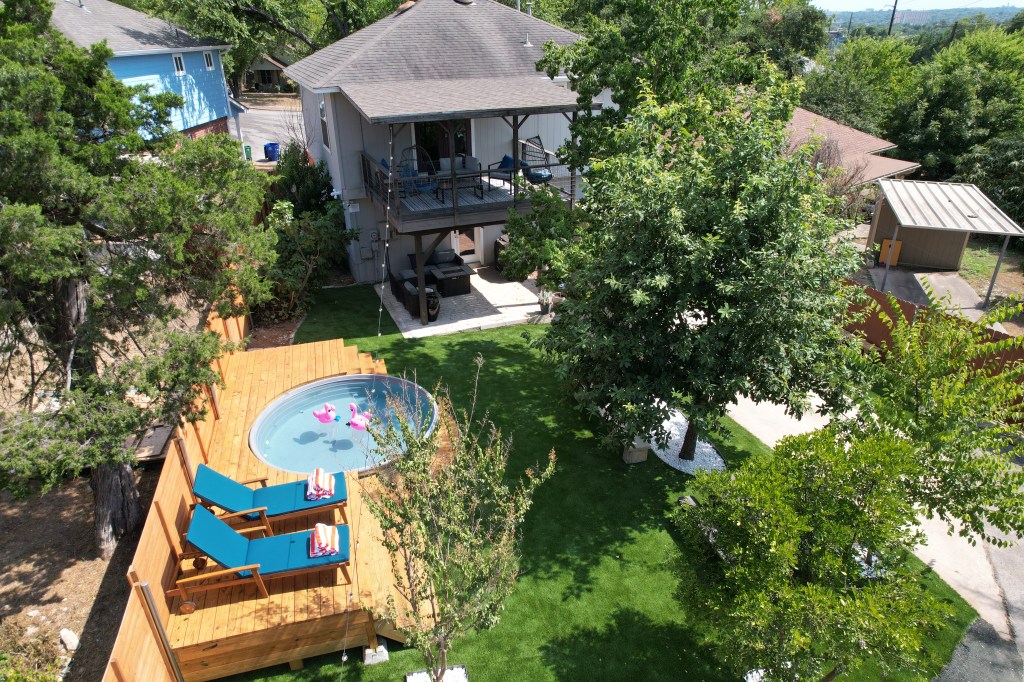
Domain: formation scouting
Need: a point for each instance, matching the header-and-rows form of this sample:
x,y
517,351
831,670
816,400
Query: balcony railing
x,y
419,195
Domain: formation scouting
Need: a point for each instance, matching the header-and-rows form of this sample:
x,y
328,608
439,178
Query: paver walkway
x,y
492,302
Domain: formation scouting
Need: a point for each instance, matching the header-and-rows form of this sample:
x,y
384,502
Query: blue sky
x,y
840,6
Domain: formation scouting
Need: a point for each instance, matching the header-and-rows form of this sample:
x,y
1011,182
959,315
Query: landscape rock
x,y
70,639
33,613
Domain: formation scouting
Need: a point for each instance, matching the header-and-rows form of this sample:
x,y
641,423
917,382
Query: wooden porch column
x,y
450,130
421,279
515,153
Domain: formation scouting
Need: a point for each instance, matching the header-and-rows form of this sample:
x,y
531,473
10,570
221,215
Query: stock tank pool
x,y
287,435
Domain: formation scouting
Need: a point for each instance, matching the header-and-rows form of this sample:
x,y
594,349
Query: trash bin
x,y
271,150
248,152
433,304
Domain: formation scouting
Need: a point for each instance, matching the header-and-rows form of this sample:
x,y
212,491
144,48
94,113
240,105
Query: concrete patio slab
x,y
957,295
492,302
901,284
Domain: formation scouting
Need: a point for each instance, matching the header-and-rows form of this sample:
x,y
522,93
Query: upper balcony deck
x,y
430,201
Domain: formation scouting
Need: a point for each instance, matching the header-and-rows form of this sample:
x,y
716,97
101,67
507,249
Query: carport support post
x,y
421,279
888,261
992,284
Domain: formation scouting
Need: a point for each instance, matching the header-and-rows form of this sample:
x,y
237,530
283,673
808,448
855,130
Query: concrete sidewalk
x,y
989,578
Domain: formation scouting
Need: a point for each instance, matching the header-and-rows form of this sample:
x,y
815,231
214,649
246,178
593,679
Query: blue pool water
x,y
287,436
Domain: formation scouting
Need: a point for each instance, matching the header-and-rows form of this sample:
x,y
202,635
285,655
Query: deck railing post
x,y
141,587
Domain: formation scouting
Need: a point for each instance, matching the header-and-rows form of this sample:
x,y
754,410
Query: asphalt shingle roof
x,y
857,150
126,31
441,57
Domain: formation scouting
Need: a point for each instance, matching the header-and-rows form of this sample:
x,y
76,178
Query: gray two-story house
x,y
431,121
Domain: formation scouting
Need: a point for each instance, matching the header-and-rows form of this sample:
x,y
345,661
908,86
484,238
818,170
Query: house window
x,y
179,64
323,121
208,57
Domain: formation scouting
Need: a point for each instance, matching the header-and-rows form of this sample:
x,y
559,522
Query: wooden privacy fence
x,y
872,328
141,651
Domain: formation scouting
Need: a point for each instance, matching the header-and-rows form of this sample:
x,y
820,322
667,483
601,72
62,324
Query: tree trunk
x,y
442,663
689,449
115,505
235,82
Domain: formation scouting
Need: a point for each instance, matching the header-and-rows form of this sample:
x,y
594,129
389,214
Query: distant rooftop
x,y
858,150
126,31
442,59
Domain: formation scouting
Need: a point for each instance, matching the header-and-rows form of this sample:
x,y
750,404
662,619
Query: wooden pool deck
x,y
234,630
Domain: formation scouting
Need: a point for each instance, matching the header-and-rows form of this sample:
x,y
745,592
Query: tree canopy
x,y
799,558
451,522
704,264
114,231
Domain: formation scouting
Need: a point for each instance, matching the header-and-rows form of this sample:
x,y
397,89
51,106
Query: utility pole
x,y
892,19
849,27
952,34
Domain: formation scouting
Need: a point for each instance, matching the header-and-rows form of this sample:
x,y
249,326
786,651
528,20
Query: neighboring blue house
x,y
151,51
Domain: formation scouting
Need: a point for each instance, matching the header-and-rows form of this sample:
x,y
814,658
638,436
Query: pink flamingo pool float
x,y
327,415
358,421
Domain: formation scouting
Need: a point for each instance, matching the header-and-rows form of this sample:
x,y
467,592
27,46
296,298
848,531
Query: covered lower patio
x,y
491,302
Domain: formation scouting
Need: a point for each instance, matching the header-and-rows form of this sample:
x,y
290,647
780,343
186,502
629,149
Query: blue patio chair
x,y
501,169
244,560
274,503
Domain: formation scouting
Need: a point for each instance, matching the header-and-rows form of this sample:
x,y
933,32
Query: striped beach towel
x,y
319,485
323,541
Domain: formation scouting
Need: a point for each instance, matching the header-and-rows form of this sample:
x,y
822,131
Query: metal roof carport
x,y
943,215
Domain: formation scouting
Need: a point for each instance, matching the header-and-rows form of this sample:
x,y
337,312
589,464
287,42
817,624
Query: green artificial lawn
x,y
595,600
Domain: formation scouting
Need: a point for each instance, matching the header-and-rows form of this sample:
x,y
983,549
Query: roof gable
x,y
434,40
857,149
126,31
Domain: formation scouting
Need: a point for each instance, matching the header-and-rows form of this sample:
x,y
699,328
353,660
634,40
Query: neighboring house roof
x,y
127,32
441,59
857,150
269,63
946,206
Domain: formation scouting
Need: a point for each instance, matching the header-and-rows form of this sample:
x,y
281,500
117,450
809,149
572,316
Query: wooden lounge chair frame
x,y
186,586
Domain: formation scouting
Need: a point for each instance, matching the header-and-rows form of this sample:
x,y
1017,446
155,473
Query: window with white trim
x,y
208,57
323,121
179,64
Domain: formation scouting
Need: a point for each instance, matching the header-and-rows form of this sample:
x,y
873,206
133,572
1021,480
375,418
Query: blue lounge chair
x,y
276,502
244,560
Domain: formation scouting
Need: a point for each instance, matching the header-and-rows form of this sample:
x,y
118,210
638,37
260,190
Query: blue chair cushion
x,y
506,163
217,489
289,552
291,497
536,176
384,162
217,539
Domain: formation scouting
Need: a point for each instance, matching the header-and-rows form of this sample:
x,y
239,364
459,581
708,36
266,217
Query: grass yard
x,y
596,597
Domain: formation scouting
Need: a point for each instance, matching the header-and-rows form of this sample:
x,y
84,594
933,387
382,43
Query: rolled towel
x,y
324,541
319,485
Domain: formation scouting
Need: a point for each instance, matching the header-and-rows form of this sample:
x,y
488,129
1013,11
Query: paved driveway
x,y
260,126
